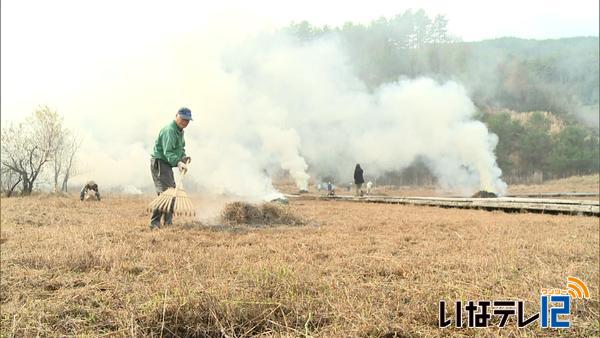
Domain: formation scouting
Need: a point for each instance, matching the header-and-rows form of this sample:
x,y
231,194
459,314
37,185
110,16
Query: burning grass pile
x,y
484,194
238,213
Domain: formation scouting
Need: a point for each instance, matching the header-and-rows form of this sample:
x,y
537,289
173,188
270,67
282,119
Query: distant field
x,y
352,270
590,183
574,184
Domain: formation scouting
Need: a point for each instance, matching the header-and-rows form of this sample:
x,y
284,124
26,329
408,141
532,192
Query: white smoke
x,y
270,103
311,87
285,145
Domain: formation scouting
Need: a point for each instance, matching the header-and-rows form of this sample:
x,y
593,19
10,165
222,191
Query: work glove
x,y
182,166
186,159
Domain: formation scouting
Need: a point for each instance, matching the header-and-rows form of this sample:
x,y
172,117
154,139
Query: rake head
x,y
175,200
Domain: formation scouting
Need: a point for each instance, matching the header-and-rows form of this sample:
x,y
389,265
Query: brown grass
x,y
237,213
589,183
353,270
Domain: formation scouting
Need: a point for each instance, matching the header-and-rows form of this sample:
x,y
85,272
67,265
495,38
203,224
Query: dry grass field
x,y
574,184
351,269
590,183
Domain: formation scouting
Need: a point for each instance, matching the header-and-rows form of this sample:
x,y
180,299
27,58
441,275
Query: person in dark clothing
x,y
330,189
168,153
358,179
89,186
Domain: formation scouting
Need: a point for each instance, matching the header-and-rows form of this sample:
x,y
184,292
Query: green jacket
x,y
170,145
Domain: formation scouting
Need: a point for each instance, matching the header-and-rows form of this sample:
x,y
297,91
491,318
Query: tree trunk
x,y
27,187
56,181
12,189
65,182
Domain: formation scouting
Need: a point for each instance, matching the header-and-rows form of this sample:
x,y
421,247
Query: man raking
x,y
169,152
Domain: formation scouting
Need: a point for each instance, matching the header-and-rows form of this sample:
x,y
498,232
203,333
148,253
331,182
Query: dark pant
x,y
162,174
358,191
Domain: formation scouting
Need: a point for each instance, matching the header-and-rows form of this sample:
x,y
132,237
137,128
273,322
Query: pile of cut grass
x,y
238,213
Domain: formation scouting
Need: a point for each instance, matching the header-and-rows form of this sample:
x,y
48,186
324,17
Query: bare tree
x,y
26,147
64,159
10,180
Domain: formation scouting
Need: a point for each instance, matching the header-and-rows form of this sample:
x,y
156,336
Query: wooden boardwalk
x,y
507,204
556,194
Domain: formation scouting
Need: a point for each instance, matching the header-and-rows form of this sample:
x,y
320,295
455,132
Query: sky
x,y
49,47
118,70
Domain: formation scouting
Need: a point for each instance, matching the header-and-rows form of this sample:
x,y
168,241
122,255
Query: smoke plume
x,y
266,104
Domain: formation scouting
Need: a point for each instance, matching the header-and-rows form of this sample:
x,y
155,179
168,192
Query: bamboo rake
x,y
175,199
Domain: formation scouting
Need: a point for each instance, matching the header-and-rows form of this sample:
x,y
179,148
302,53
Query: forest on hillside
x,y
553,83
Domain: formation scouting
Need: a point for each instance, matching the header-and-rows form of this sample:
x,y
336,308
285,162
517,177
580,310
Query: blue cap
x,y
185,113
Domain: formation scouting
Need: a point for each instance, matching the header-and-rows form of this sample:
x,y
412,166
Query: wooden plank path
x,y
508,204
557,194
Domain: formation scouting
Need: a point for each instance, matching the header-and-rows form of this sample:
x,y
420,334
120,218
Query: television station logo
x,y
555,309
